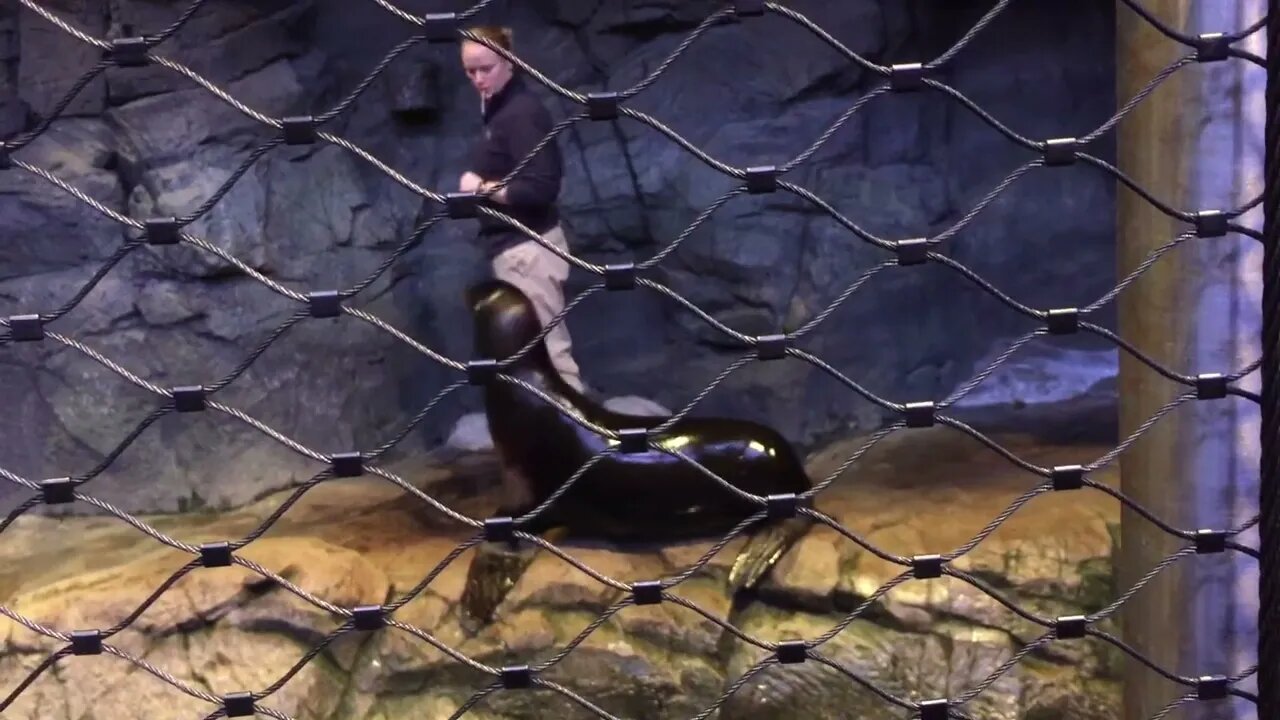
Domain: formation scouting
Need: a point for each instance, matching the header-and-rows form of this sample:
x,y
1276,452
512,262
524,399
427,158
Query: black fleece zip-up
x,y
515,121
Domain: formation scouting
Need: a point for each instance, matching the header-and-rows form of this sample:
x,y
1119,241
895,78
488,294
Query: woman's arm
x,y
538,182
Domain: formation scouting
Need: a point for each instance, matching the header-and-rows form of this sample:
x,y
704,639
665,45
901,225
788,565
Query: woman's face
x,y
487,70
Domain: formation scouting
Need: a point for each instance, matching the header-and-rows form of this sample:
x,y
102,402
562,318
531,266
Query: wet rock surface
x,y
366,541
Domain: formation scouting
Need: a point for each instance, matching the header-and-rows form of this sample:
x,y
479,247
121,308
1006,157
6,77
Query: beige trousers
x,y
540,274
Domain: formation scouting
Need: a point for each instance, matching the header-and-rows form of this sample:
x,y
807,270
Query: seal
x,y
624,497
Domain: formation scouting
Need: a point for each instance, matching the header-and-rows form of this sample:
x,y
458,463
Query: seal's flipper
x,y
494,570
763,550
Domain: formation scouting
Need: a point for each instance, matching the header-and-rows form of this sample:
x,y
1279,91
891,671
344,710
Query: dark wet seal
x,y
638,493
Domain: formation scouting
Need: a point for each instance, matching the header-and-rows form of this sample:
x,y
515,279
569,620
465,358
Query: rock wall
x,y
148,141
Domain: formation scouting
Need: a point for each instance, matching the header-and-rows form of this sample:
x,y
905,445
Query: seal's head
x,y
505,322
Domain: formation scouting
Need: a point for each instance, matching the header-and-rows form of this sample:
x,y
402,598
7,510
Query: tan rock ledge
x,y
226,630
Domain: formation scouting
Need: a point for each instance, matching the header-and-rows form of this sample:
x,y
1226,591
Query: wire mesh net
x,y
39,325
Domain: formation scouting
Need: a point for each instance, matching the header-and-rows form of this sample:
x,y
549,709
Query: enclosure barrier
x,y
36,324
1269,614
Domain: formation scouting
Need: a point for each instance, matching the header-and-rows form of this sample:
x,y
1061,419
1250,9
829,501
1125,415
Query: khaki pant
x,y
540,274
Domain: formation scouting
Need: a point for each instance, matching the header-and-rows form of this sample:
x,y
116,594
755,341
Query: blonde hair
x,y
498,35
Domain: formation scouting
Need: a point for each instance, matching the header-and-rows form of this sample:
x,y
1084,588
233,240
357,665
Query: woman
x,y
515,122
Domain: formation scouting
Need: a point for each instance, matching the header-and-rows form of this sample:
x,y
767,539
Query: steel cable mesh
x,y
1269,575
1054,152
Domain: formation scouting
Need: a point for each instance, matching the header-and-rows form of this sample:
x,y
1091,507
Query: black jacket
x,y
515,121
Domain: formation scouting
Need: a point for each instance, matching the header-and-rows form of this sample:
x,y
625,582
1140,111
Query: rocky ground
x,y
365,541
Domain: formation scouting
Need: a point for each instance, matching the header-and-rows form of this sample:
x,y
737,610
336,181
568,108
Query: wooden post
x,y
1195,143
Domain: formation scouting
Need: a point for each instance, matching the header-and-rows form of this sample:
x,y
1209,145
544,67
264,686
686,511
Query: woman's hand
x,y
487,187
470,182
473,183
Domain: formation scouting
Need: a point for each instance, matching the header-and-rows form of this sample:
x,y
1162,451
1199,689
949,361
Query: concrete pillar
x,y
1195,143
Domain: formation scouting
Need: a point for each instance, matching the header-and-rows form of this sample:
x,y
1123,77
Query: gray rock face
x,y
222,46
149,142
51,61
